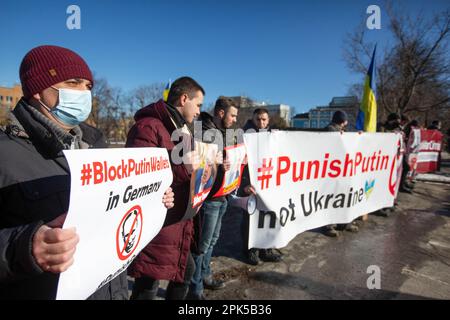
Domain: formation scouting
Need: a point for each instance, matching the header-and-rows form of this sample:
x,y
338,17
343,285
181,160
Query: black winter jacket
x,y
209,124
35,189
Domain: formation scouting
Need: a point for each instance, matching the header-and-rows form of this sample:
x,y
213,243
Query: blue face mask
x,y
74,106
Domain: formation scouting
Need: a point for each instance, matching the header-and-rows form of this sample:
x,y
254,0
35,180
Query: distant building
x,y
10,96
244,102
281,110
247,106
8,100
320,117
301,120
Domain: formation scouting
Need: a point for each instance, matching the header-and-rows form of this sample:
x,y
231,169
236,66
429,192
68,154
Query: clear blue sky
x,y
275,51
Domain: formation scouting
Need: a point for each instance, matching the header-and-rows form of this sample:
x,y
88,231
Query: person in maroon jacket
x,y
167,256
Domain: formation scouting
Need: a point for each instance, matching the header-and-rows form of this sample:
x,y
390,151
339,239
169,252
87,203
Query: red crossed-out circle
x,y
121,250
392,184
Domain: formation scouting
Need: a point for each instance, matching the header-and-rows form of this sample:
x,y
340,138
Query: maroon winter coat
x,y
165,257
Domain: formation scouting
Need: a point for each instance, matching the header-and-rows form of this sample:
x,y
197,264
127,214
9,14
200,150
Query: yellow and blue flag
x,y
166,91
367,116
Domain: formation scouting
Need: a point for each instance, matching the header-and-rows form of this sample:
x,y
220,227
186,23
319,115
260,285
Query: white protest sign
x,y
305,180
116,207
232,177
202,178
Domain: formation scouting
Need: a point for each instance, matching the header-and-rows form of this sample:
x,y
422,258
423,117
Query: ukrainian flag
x,y
166,91
367,116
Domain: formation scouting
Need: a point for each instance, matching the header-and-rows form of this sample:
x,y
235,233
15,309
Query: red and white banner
x,y
424,147
305,180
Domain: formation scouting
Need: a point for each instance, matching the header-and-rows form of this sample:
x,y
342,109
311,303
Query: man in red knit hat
x,y
35,176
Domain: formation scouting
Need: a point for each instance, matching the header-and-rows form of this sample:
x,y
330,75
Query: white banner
x,y
305,180
116,207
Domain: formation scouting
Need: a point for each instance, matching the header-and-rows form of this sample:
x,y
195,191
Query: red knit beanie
x,y
45,66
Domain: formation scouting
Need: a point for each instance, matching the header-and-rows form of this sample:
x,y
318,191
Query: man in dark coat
x,y
35,176
259,123
338,124
167,256
214,208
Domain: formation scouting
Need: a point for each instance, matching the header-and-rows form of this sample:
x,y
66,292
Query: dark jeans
x,y
212,213
146,288
405,171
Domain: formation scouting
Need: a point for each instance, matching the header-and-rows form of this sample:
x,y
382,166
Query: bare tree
x,y
144,95
107,111
356,90
413,72
113,110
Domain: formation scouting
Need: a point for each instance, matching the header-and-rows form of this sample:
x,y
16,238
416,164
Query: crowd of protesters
x,y
35,183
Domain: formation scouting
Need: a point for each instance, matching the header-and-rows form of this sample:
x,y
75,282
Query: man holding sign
x,y
213,209
260,122
167,256
35,176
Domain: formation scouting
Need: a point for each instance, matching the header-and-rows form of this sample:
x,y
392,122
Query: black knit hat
x,y
339,117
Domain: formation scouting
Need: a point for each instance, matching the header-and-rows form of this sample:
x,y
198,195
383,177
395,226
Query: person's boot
x,y
351,227
330,231
409,184
269,255
177,291
252,256
144,288
384,212
404,188
212,284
